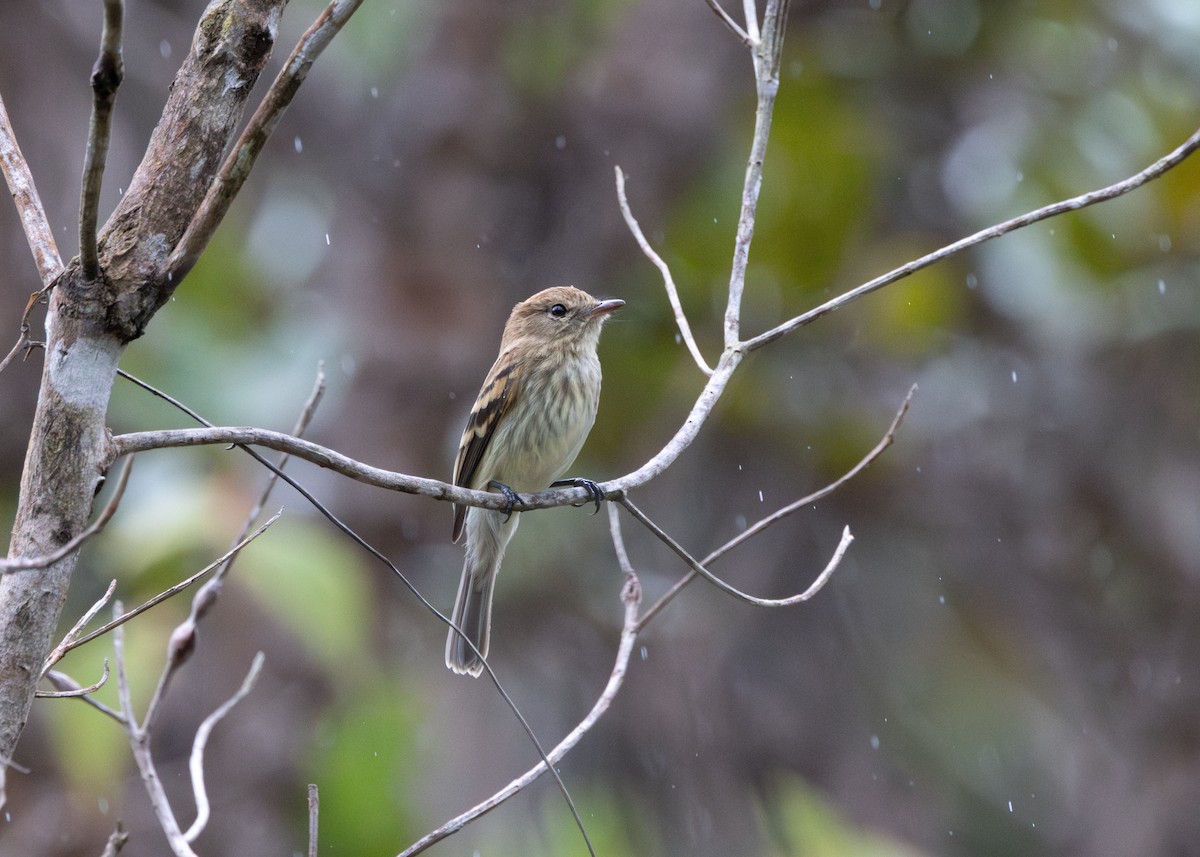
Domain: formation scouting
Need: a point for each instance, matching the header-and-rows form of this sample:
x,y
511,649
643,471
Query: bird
x,y
532,415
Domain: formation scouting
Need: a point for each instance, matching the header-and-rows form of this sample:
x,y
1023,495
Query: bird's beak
x,y
605,307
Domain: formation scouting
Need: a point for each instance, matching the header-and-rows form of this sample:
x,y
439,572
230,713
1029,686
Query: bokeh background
x,y
1008,662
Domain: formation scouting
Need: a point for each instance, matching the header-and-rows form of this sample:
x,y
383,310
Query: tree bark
x,y
91,320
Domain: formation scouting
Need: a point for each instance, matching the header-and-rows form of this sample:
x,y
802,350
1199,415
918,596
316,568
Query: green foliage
x,y
810,825
363,764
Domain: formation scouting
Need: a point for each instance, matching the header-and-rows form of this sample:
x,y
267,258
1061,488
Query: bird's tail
x,y
487,537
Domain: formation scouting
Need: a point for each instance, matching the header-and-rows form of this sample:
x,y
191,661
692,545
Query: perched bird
x,y
536,407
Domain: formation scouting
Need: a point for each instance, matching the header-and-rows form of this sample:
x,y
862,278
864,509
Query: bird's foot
x,y
595,495
510,497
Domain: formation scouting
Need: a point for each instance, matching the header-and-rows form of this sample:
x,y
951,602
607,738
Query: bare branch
x,y
751,14
116,841
76,691
139,742
24,343
63,647
696,566
174,590
778,515
62,681
14,564
767,52
631,598
685,329
314,806
196,761
728,21
238,163
106,78
29,205
1075,203
325,457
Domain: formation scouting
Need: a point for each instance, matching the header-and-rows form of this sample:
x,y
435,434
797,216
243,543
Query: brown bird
x,y
528,423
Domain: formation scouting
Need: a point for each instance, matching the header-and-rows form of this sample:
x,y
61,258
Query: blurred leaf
x,y
811,826
312,581
364,768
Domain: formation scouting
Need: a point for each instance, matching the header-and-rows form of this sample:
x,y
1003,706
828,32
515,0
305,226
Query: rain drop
x,y
1162,286
560,142
874,742
164,48
299,145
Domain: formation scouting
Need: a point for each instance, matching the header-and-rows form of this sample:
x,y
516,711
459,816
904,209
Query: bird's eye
x,y
558,310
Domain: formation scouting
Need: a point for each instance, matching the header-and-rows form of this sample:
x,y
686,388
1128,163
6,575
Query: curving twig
x,y
73,691
699,568
779,514
685,329
196,760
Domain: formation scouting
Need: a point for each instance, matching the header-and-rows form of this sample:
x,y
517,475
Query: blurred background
x,y
1008,661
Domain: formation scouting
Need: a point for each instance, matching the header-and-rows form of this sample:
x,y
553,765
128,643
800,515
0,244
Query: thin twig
x,y
696,566
29,205
766,52
116,841
196,761
685,329
241,158
139,743
24,343
75,691
728,21
106,78
62,681
779,514
172,591
63,647
1075,203
631,598
314,807
14,564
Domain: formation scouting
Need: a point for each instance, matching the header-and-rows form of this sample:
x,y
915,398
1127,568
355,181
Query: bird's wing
x,y
494,400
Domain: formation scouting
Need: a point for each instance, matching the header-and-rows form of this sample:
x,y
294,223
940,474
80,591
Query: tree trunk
x,y
90,322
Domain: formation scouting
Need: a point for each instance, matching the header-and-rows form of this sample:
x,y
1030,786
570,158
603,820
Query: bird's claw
x,y
510,497
595,495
